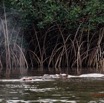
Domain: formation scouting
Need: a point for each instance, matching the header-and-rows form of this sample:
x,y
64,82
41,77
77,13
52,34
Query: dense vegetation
x,y
61,33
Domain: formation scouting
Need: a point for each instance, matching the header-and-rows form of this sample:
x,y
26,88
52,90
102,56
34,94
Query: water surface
x,y
59,91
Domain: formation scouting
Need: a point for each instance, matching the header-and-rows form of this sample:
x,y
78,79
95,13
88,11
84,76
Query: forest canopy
x,y
70,13
61,33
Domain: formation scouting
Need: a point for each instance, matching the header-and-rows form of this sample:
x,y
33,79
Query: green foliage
x,y
75,20
47,12
94,9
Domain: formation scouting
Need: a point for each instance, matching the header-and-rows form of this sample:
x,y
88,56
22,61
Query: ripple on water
x,y
1,100
42,90
41,101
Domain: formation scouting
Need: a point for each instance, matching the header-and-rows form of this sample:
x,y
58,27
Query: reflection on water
x,y
71,91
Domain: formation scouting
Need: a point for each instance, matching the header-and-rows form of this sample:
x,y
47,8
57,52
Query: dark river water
x,y
58,91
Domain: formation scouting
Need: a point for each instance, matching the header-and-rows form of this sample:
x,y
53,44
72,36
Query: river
x,y
75,90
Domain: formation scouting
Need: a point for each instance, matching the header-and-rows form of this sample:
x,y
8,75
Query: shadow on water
x,y
20,72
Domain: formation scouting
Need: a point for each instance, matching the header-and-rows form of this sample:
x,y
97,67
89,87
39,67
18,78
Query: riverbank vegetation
x,y
57,34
